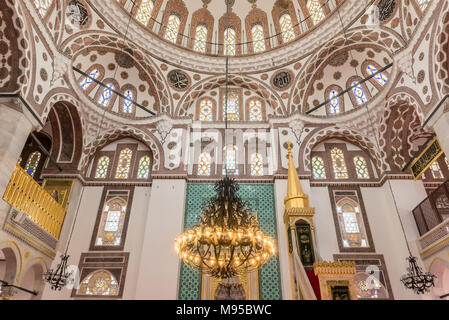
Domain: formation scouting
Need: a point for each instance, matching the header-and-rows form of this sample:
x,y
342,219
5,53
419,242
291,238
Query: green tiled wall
x,y
261,199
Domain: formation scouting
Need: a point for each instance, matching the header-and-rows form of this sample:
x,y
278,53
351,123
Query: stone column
x,y
15,127
158,274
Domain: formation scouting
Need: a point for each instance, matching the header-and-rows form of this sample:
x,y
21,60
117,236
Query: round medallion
x,y
178,79
78,12
282,80
385,9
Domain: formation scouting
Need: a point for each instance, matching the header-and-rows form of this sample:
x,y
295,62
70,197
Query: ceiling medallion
x,y
228,240
78,12
178,79
282,79
385,9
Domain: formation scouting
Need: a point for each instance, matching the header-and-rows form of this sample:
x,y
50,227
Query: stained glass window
x,y
200,38
319,171
32,163
380,77
102,167
423,3
315,10
171,33
286,24
258,38
124,164
144,168
99,283
229,41
256,164
351,224
106,95
42,6
339,164
205,113
232,110
112,222
143,14
369,287
436,170
361,168
88,81
128,105
359,94
255,110
204,164
334,103
230,163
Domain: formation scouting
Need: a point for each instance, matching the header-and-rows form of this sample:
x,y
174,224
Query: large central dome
x,y
250,27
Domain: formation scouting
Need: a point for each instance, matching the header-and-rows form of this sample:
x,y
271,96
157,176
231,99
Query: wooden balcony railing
x,y
24,193
433,210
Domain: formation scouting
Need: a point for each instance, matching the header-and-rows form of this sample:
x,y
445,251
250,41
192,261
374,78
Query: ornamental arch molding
x,y
119,133
380,38
86,41
342,133
269,96
440,51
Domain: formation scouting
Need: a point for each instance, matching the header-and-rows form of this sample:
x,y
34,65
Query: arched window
x,y
124,164
436,170
255,110
205,112
256,164
102,167
200,38
42,6
339,164
351,224
99,283
230,161
229,41
380,77
319,170
106,95
204,164
358,92
144,168
423,4
144,12
315,10
231,109
111,223
171,33
88,81
369,287
258,38
32,163
361,168
285,21
334,103
128,105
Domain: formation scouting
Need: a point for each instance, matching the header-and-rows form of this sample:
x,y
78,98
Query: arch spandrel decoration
x,y
145,137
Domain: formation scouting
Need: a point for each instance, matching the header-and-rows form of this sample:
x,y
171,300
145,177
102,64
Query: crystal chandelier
x,y
228,240
415,279
58,278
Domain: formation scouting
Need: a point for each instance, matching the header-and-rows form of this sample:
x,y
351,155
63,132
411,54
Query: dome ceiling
x,y
254,26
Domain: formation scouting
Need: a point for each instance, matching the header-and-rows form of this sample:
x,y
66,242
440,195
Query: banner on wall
x,y
430,153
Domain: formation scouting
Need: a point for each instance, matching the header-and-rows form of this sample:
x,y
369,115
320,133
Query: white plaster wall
x,y
82,233
325,233
387,233
159,267
134,239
